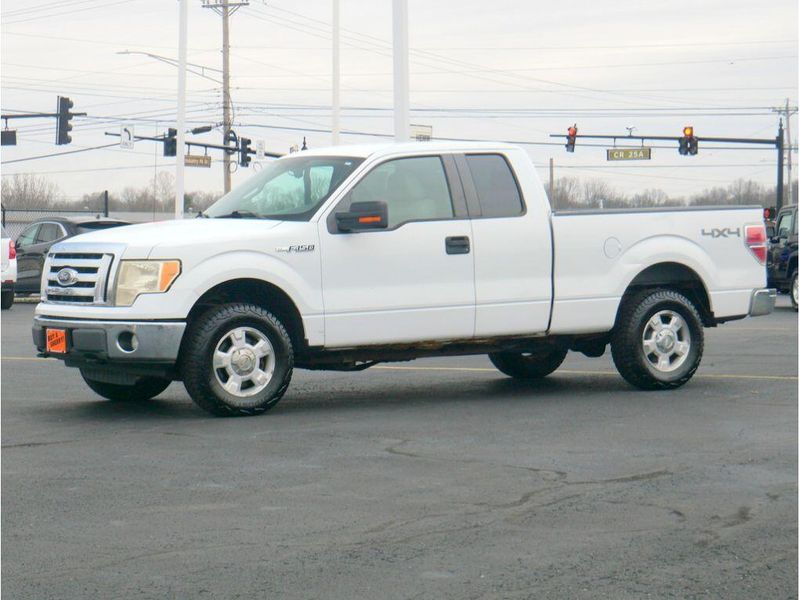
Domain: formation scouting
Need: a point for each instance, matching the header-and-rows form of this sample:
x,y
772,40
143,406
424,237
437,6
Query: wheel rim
x,y
244,362
794,289
666,341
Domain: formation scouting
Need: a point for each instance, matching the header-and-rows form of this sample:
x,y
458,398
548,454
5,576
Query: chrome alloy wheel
x,y
244,361
794,290
666,341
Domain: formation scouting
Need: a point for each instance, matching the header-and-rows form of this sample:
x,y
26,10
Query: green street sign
x,y
628,154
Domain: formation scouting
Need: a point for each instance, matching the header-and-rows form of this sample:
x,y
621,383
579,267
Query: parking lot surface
x,y
429,479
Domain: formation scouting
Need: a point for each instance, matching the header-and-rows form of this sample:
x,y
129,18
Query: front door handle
x,y
456,244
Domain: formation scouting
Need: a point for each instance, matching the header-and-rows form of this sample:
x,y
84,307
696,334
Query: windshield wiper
x,y
239,214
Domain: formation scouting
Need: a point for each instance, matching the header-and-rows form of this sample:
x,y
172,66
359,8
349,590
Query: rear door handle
x,y
457,244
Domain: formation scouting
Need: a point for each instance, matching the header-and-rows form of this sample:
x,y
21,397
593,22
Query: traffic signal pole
x,y
777,141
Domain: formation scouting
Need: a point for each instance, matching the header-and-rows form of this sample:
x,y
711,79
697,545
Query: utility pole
x,y
226,8
779,143
792,199
180,122
787,111
335,80
400,60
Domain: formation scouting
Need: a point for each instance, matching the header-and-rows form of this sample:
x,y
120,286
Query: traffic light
x,y
64,117
572,133
688,143
170,143
244,152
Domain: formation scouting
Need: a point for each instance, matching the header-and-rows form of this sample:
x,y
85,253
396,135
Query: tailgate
x,y
5,242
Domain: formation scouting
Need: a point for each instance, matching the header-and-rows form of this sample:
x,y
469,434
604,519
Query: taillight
x,y
12,250
755,237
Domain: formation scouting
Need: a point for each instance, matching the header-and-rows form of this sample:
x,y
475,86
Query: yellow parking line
x,y
572,372
491,370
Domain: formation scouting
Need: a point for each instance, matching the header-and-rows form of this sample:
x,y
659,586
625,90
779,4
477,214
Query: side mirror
x,y
363,216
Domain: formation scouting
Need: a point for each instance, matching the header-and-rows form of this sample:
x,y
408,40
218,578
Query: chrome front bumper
x,y
762,302
130,341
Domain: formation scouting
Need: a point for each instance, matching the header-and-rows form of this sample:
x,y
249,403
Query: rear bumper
x,y
128,342
762,302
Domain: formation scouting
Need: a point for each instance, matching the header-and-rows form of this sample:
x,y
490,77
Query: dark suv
x,y
782,258
35,241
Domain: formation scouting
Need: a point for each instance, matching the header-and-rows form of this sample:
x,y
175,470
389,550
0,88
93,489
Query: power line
x,y
27,158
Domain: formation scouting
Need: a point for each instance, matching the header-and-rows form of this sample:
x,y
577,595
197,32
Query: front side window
x,y
785,224
495,185
28,237
414,189
290,189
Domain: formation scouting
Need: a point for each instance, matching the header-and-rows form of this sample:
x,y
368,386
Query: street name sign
x,y
628,154
194,160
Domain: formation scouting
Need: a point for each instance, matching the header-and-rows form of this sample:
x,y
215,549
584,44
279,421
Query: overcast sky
x,y
503,70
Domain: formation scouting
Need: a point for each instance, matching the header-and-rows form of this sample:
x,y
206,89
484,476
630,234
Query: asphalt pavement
x,y
437,479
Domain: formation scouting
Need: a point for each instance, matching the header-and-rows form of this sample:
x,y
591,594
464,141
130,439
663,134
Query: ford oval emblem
x,y
67,277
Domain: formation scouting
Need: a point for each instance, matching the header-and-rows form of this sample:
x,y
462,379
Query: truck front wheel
x,y
236,360
144,388
793,290
527,365
657,342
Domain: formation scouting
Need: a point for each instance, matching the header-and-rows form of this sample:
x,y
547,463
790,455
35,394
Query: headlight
x,y
144,277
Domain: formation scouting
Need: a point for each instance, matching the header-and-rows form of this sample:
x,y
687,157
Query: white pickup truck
x,y
345,257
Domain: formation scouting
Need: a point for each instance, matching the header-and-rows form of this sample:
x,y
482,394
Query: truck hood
x,y
141,240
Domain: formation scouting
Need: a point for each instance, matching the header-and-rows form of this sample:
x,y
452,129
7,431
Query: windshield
x,y
289,189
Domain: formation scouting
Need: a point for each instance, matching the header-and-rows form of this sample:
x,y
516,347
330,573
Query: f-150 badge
x,y
296,248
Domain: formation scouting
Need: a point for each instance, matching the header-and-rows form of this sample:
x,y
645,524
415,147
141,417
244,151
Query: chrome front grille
x,y
77,277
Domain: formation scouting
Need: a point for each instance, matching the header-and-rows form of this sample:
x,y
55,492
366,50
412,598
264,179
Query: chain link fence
x,y
15,219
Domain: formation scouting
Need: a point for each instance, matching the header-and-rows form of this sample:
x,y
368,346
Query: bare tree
x,y
30,191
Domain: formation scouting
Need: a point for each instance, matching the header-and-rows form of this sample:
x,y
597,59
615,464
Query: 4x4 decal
x,y
718,233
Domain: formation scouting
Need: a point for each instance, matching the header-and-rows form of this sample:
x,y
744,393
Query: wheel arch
x,y
675,276
261,293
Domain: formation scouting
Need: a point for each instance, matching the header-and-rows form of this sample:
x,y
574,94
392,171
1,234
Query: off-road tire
x,y
6,299
523,365
144,389
626,340
197,367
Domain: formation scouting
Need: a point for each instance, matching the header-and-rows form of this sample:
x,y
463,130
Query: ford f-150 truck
x,y
346,257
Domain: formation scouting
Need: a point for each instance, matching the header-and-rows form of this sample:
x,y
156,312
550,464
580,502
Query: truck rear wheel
x,y
657,342
237,360
7,299
144,388
527,365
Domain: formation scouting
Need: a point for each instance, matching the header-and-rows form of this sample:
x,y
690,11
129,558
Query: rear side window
x,y
495,184
48,232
